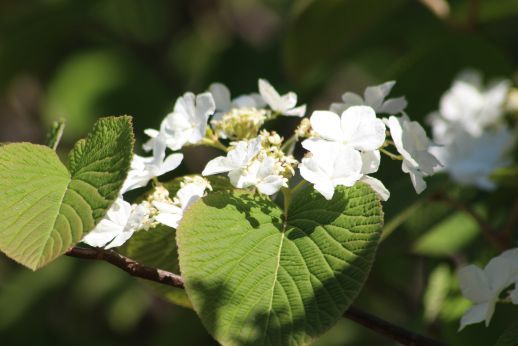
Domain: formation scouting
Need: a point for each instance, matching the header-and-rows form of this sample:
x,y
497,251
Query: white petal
x,y
296,112
326,188
476,314
205,106
474,284
271,184
171,163
499,274
120,239
415,176
377,186
352,99
394,105
370,161
361,129
270,95
104,232
221,96
514,294
218,165
170,220
327,125
375,95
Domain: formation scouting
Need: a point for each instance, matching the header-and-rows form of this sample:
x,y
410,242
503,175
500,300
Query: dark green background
x,y
83,59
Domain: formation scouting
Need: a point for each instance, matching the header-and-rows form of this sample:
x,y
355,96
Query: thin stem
x,y
286,193
55,134
136,269
396,221
391,331
391,155
215,143
299,186
486,229
289,144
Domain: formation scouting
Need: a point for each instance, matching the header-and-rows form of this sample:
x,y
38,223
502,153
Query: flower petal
x,y
218,165
474,284
361,129
476,314
375,95
221,96
327,125
377,186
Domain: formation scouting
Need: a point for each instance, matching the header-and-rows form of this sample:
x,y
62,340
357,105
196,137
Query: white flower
x,y
358,128
186,124
284,104
143,169
331,164
170,213
370,164
412,143
119,224
470,160
237,159
374,96
261,174
471,106
483,288
245,168
224,103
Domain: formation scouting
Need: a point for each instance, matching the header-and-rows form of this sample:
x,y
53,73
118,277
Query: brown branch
x,y
486,229
128,265
136,269
389,330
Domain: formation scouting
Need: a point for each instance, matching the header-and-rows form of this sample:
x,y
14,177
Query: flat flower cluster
x,y
344,146
484,287
470,130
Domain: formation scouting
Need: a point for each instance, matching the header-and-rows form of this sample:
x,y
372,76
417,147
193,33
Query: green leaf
x,y
448,236
507,176
257,279
45,207
509,337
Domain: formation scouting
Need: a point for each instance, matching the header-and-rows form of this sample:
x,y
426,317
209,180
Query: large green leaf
x,y
47,208
255,278
509,337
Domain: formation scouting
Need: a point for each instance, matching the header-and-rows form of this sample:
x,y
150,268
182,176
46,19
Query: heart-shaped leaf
x,y
45,207
256,276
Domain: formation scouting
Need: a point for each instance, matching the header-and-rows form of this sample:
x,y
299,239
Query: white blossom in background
x,y
373,96
329,165
170,212
121,221
413,144
283,104
186,124
357,128
469,106
471,160
483,287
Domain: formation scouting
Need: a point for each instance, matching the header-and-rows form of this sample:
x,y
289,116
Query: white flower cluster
x,y
258,162
484,287
470,129
346,148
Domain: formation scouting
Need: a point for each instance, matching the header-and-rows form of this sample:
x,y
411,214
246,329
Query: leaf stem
x,y
391,155
55,134
299,186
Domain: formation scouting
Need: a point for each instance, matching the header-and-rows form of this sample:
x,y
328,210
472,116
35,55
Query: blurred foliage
x,y
80,60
